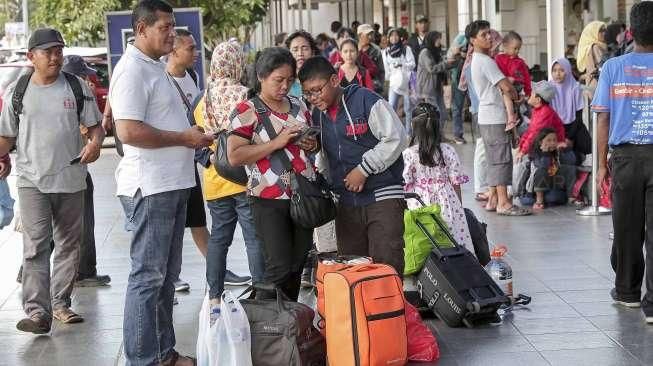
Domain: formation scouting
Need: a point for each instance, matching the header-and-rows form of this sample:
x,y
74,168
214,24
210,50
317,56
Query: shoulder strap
x,y
263,115
19,93
78,92
193,75
181,93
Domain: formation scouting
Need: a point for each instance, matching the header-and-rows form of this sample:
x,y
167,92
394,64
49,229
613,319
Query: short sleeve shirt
x,y
485,77
48,136
625,90
141,90
268,177
187,85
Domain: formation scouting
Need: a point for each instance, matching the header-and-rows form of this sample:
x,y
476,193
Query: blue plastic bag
x,y
6,204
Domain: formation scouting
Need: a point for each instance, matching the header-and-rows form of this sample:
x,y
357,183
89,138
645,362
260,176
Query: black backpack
x,y
23,82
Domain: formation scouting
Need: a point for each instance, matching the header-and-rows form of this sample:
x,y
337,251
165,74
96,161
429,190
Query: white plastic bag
x,y
324,237
228,341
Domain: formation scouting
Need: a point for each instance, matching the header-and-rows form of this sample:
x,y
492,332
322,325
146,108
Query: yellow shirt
x,y
214,185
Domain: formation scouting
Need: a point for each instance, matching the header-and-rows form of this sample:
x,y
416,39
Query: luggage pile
x,y
451,281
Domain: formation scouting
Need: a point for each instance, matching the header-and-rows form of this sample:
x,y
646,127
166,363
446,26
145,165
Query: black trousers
x,y
632,214
285,245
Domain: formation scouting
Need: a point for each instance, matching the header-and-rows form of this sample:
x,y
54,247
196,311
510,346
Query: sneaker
x,y
181,286
37,324
95,281
459,140
306,277
233,279
649,319
626,303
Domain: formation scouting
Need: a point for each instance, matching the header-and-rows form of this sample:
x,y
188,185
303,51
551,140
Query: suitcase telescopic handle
x,y
413,195
426,233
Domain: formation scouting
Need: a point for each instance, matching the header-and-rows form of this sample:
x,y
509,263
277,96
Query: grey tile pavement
x,y
560,259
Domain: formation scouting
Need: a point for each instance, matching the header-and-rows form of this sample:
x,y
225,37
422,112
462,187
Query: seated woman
x,y
433,171
550,180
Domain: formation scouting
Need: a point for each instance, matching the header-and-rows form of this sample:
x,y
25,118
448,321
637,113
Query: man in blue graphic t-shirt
x,y
624,103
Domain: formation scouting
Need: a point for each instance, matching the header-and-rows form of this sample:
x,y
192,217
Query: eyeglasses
x,y
315,93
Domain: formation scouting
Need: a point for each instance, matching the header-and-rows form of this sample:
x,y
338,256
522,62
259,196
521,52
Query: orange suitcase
x,y
365,322
330,262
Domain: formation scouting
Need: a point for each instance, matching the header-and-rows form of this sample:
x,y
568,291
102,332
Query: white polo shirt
x,y
141,90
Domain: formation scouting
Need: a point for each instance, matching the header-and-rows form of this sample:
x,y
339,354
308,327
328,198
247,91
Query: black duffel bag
x,y
282,331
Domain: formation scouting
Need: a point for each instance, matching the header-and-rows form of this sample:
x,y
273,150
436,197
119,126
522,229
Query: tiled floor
x,y
559,258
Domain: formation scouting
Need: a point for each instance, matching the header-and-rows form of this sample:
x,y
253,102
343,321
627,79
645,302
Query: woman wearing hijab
x,y
568,103
431,68
227,201
591,51
398,61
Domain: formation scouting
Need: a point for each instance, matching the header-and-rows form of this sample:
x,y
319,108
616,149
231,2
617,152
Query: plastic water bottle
x,y
500,270
215,314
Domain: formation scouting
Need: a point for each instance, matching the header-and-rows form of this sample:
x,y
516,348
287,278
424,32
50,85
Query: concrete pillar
x,y
555,25
464,14
309,13
377,13
629,5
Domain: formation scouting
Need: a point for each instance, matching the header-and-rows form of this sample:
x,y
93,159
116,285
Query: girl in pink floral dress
x,y
433,170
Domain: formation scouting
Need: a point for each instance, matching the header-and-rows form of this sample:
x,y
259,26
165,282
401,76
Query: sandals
x,y
67,316
538,206
514,211
481,197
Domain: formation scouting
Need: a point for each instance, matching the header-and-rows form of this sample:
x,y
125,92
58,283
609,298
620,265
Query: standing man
x,y
366,45
489,82
153,178
180,67
416,40
623,101
50,185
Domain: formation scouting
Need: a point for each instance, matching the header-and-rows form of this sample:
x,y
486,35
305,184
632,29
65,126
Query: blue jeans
x,y
457,110
157,226
408,110
225,212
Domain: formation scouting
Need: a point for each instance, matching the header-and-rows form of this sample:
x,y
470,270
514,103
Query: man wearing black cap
x,y
416,40
41,117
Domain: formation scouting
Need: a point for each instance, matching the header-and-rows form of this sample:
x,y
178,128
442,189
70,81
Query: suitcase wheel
x,y
473,307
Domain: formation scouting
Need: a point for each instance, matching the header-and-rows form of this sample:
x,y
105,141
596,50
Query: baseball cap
x,y
545,90
76,65
422,19
364,29
45,38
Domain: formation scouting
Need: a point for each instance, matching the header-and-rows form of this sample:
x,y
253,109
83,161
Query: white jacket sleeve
x,y
388,129
410,60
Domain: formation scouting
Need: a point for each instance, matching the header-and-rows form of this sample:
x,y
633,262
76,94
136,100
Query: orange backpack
x,y
365,321
328,262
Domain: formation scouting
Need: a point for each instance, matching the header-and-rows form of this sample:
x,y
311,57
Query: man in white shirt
x,y
153,179
489,83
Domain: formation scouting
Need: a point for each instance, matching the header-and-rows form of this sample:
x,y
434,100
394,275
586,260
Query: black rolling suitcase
x,y
455,286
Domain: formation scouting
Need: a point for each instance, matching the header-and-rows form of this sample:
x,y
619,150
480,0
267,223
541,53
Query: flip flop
x,y
515,211
481,197
538,206
67,316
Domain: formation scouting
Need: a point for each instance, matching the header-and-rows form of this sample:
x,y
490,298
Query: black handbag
x,y
235,174
311,202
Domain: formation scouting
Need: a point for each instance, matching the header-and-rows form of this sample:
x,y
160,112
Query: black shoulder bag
x,y
311,203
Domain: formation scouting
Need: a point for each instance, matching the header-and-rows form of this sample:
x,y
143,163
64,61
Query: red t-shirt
x,y
543,117
363,58
516,68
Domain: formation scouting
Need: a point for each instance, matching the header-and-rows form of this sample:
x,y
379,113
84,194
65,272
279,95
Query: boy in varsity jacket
x,y
362,140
